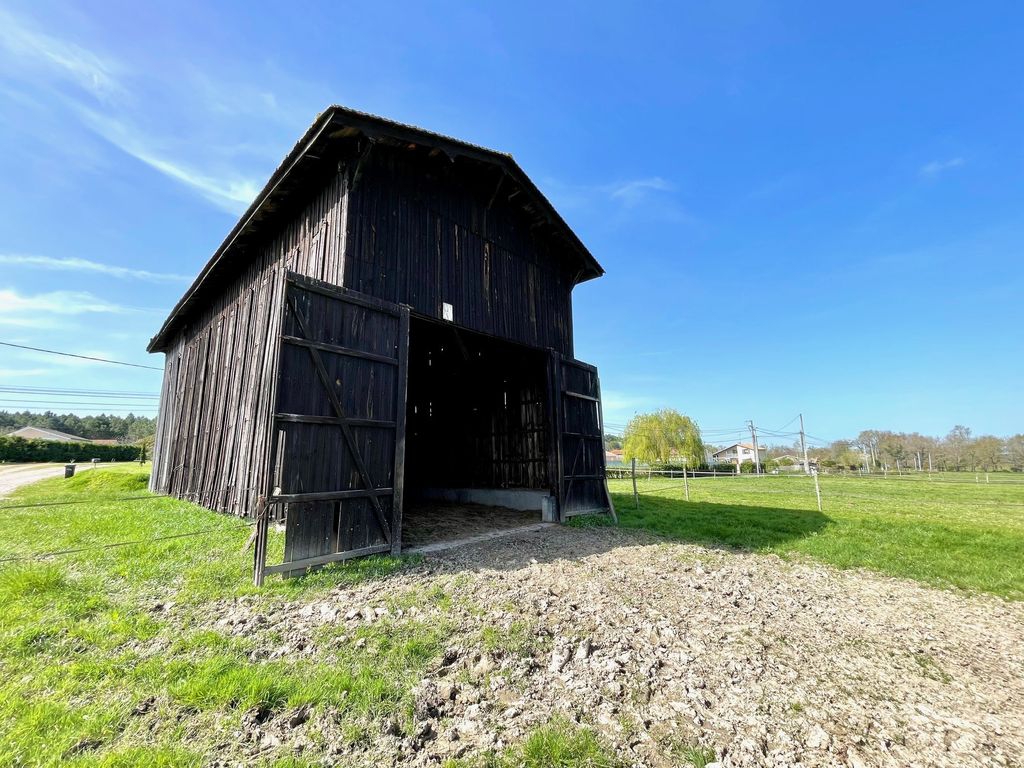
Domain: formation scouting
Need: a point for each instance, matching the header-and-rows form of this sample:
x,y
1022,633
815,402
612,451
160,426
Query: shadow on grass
x,y
754,528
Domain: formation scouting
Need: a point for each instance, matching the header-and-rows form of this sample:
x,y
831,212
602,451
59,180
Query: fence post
x,y
636,496
260,549
817,490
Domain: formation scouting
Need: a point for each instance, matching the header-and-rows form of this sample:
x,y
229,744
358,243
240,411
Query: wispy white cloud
x,y
13,373
651,197
105,96
47,310
623,403
60,57
635,192
73,264
230,192
60,303
936,167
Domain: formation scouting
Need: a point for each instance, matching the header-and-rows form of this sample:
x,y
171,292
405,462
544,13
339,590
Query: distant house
x,y
41,433
789,463
737,453
613,456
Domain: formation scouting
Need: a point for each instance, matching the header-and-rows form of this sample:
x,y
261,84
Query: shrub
x,y
20,449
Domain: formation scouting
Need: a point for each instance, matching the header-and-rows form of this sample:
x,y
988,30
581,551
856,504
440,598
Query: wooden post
x,y
636,496
686,483
817,490
401,396
260,549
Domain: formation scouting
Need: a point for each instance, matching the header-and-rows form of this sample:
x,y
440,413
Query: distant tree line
x,y
957,451
124,429
668,437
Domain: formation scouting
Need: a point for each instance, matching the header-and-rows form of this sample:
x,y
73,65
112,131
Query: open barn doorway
x,y
478,452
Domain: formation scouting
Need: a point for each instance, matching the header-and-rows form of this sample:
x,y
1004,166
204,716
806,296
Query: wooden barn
x,y
385,333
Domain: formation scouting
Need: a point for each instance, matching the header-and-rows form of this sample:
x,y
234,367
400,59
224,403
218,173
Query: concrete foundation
x,y
511,498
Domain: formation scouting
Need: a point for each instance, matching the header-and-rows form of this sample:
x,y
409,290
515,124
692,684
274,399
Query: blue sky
x,y
800,206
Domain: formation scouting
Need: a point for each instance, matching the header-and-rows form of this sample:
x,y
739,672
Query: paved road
x,y
13,476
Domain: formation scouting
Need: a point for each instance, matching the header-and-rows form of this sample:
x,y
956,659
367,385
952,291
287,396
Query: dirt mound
x,y
663,648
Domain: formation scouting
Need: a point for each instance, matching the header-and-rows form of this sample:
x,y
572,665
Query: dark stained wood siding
x,y
423,231
212,443
580,435
407,227
340,413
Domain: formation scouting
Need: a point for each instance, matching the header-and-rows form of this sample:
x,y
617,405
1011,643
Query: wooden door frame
x,y
558,435
392,530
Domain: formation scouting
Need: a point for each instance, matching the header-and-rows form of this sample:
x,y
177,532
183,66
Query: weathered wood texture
x,y
212,444
423,231
405,225
340,395
582,487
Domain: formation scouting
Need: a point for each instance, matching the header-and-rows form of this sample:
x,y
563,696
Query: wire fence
x,y
36,556
93,500
958,478
837,486
644,482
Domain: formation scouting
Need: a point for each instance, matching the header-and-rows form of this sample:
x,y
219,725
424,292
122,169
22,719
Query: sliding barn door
x,y
339,424
579,432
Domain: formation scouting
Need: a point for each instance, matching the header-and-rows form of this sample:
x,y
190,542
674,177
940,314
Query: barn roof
x,y
341,122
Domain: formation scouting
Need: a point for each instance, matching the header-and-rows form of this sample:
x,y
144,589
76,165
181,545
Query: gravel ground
x,y
662,646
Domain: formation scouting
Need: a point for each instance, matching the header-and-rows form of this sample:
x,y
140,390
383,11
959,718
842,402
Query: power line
x,y
784,425
74,411
141,406
80,357
76,392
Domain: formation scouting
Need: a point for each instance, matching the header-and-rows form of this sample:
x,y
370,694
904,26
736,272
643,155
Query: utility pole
x,y
753,437
803,446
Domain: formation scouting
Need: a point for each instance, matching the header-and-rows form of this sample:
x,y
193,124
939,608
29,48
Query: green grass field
x,y
83,643
949,531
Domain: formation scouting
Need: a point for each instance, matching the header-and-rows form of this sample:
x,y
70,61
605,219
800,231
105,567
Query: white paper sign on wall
x,y
447,312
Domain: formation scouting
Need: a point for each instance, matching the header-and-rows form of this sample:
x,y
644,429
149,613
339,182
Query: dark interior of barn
x,y
477,434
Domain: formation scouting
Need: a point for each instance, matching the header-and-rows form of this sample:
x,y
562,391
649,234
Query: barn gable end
x,y
274,384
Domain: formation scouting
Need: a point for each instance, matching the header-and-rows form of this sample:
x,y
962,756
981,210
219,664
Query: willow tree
x,y
661,436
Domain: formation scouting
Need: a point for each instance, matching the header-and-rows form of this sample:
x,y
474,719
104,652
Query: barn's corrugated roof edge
x,y
505,160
